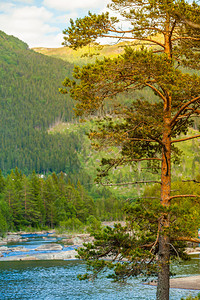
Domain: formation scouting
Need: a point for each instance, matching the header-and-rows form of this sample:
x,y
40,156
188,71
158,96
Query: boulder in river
x,y
19,248
68,241
14,238
49,247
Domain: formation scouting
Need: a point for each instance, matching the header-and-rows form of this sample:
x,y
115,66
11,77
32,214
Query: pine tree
x,y
143,130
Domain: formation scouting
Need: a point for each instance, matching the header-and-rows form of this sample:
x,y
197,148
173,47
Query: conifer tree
x,y
34,208
144,130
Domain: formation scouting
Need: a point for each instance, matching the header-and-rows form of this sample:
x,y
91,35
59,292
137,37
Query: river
x,y
57,279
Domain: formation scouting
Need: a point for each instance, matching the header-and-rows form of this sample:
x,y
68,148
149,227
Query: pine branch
x,y
172,29
147,245
142,159
128,183
157,91
134,30
188,22
182,109
142,140
187,116
151,197
133,38
183,196
189,180
186,139
187,239
157,238
186,38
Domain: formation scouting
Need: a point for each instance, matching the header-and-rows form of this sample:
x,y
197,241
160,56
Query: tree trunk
x,y
164,241
163,274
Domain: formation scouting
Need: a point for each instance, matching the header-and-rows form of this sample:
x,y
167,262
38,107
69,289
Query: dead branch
x,y
193,180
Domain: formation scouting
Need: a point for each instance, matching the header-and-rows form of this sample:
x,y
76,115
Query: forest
x,y
40,136
43,183
34,203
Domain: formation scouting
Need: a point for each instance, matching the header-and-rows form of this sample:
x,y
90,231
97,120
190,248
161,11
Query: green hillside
x,y
30,105
37,126
78,56
190,159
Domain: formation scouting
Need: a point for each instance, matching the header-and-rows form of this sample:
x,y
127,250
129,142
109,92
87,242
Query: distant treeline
x,y
50,202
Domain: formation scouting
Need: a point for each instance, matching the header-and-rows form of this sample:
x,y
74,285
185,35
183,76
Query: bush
x,y
192,298
93,225
72,224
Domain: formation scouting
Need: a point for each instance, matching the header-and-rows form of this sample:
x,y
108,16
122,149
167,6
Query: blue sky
x,y
39,23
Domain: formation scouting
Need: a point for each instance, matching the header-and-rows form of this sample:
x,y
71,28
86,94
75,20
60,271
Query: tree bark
x,y
164,241
163,274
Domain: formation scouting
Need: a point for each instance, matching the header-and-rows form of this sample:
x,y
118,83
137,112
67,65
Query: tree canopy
x,y
164,37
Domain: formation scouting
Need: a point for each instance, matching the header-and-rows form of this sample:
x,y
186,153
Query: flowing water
x,y
58,280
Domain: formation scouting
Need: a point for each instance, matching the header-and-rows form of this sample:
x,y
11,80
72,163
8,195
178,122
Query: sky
x,y
40,23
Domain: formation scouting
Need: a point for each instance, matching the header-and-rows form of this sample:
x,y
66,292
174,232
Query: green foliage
x,y
72,225
49,202
89,32
136,128
3,225
135,246
145,23
93,225
192,298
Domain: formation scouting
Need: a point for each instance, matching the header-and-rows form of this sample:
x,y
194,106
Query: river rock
x,y
12,238
19,248
4,249
3,243
28,258
63,235
12,233
68,241
49,247
78,241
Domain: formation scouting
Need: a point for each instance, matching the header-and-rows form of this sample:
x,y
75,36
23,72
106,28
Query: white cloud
x,y
42,26
6,7
65,18
25,1
70,5
30,24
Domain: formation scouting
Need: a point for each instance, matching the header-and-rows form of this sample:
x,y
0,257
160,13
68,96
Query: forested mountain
x,y
31,106
30,103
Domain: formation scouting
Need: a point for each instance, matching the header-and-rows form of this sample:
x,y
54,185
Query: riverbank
x,y
188,283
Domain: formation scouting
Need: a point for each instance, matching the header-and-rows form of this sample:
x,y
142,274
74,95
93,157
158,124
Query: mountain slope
x,y
30,104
